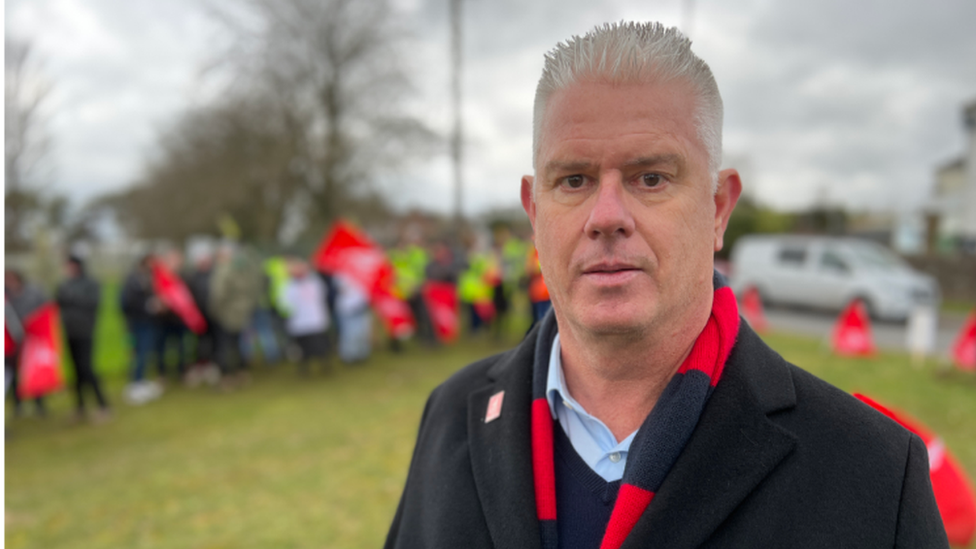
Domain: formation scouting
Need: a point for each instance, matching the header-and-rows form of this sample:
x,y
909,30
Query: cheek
x,y
556,236
681,235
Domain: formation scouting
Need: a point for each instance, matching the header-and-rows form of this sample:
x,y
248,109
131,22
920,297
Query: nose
x,y
610,216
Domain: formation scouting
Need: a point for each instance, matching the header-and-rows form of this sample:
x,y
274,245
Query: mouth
x,y
609,274
610,268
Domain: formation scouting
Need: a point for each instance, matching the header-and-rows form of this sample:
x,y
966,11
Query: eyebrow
x,y
640,162
656,160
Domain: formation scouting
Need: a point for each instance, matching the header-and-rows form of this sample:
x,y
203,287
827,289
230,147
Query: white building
x,y
954,195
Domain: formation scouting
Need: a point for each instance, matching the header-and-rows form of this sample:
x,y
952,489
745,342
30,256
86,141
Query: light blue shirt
x,y
591,438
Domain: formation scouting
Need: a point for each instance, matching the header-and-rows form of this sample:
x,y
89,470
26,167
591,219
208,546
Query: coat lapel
x,y
501,451
734,447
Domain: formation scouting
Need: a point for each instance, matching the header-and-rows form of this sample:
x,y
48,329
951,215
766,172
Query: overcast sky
x,y
851,102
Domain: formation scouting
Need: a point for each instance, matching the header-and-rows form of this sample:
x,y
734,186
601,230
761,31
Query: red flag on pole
x,y
441,300
964,348
752,310
350,251
852,332
953,491
40,356
174,294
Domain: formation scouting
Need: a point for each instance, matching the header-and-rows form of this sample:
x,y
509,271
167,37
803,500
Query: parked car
x,y
827,273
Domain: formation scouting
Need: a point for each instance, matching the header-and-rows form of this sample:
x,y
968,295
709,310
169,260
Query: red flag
x,y
953,491
9,345
485,310
349,251
40,357
173,293
852,332
395,312
752,310
441,300
964,348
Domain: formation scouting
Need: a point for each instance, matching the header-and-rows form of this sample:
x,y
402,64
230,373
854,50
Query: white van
x,y
827,273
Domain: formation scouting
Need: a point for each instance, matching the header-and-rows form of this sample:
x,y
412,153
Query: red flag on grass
x,y
752,310
441,300
350,251
964,348
852,332
174,294
40,356
953,491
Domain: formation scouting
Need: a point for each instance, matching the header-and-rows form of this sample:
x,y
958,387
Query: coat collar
x,y
734,447
728,454
501,451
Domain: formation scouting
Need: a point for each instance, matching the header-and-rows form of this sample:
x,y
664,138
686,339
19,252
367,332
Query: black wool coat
x,y
779,459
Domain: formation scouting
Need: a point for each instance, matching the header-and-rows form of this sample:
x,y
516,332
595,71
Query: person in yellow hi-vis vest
x,y
475,289
508,254
409,266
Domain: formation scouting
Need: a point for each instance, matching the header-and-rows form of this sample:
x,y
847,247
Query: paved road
x,y
887,335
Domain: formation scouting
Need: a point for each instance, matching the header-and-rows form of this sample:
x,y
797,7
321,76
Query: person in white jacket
x,y
305,296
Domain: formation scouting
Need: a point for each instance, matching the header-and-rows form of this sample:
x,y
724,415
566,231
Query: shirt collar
x,y
556,381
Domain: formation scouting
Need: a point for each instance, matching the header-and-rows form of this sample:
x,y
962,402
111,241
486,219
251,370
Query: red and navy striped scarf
x,y
660,439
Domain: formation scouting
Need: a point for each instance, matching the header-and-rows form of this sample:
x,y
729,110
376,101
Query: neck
x,y
619,380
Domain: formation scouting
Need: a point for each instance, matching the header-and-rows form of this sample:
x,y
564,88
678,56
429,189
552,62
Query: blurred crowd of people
x,y
259,311
254,311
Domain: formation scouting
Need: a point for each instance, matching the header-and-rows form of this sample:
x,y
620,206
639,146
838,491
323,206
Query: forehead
x,y
599,119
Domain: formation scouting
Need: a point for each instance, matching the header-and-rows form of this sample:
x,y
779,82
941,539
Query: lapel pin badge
x,y
494,406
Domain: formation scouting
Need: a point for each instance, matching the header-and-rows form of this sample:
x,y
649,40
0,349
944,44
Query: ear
x,y
528,201
729,189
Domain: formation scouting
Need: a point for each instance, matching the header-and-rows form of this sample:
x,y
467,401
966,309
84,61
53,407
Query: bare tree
x,y
232,159
333,66
26,146
311,115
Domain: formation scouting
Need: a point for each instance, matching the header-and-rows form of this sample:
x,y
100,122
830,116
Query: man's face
x,y
623,210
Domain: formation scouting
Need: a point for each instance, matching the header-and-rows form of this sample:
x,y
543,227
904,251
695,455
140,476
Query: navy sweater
x,y
584,500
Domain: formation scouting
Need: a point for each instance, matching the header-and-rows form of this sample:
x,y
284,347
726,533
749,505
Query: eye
x,y
651,179
573,181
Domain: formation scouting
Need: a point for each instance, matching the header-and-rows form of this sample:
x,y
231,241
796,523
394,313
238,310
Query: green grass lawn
x,y
307,463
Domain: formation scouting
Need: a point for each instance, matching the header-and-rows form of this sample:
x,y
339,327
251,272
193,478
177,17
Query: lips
x,y
610,274
610,268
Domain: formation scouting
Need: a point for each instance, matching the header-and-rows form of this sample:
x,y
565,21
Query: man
x,y
197,282
640,413
234,289
78,298
142,309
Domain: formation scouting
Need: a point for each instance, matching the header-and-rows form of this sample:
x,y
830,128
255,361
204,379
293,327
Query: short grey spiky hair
x,y
620,53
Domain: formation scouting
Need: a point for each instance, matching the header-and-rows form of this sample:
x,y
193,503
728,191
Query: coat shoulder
x,y
807,405
824,407
453,392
